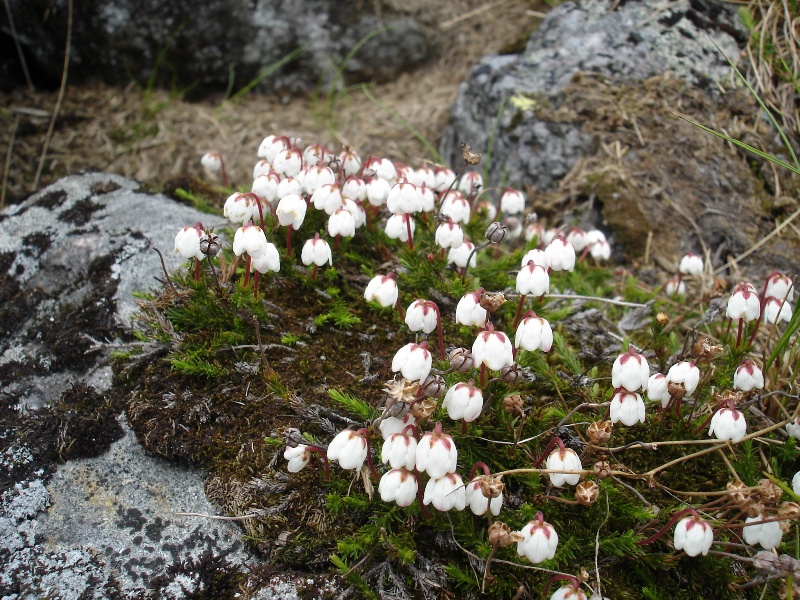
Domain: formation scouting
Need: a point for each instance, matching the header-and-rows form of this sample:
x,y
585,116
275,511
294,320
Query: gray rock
x,y
505,94
202,45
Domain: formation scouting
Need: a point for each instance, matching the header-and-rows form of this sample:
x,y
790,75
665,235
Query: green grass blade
x,y
487,158
263,74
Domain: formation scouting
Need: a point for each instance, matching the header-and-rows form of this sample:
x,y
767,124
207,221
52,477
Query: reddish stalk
x,y
255,285
324,460
519,310
247,271
548,448
425,511
439,328
479,465
314,272
289,241
575,584
224,171
197,269
670,523
408,229
365,432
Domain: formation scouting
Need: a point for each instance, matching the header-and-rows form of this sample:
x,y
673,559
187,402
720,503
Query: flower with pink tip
x,y
316,177
577,237
382,289
534,333
569,592
478,503
404,198
674,287
413,361
627,408
398,485
486,209
291,211
211,162
351,162
493,349
449,234
743,303
271,145
262,167
355,209
288,163
471,183
288,186
328,197
457,208
397,227
728,424
341,223
533,280
560,255
349,448
779,286
425,175
377,191
469,310
187,242
267,260
539,540
382,168
444,179
266,187
315,154
421,315
748,376
463,401
564,459
684,372
445,492
459,256
658,389
630,371
298,457
251,239
512,201
693,535
391,425
538,257
400,451
436,453
599,248
316,251
240,208
768,535
428,198
776,310
691,264
355,188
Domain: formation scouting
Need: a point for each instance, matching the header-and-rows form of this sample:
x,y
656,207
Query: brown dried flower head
x,y
513,404
676,390
755,509
662,318
500,535
599,432
768,491
739,494
423,409
601,469
401,390
470,157
492,302
587,492
789,511
491,487
705,351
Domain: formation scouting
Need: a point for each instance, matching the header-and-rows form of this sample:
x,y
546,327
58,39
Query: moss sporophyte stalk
x,y
572,424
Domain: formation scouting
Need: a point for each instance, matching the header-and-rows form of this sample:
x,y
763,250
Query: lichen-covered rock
x,y
204,46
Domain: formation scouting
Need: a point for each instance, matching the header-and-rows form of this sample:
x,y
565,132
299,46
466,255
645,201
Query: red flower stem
x,y
258,204
408,229
463,427
289,241
314,272
519,310
414,430
575,584
247,271
197,269
365,433
401,313
425,512
255,285
324,460
739,332
336,243
483,374
669,524
439,328
479,465
548,448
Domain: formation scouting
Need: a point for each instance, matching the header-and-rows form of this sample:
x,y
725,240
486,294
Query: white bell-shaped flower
x,y
469,310
538,257
377,191
693,535
288,163
768,535
627,408
251,239
391,425
422,315
456,208
459,256
776,310
578,238
470,183
404,198
271,145
291,211
239,208
630,371
744,303
413,361
350,161
355,188
397,227
658,389
569,592
533,280
728,424
187,242
684,372
316,251
382,168
298,457
512,201
779,286
382,289
539,540
316,177
534,333
349,448
341,223
267,260
674,287
436,453
560,255
449,235
564,459
463,401
493,349
328,197
691,264
398,485
445,492
400,451
444,179
478,503
748,376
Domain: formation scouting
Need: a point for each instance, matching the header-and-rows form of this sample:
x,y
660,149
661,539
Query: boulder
x,y
203,47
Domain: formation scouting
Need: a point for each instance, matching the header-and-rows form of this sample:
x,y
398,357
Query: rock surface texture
x,y
582,119
205,45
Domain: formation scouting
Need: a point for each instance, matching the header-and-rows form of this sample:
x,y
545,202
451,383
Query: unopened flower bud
x,y
511,373
500,535
423,409
470,157
434,386
601,469
513,404
461,360
292,437
786,564
739,494
491,487
662,318
587,492
210,244
492,302
496,232
766,563
768,491
705,351
599,432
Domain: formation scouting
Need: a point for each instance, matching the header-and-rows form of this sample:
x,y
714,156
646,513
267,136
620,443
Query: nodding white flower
x,y
569,592
425,175
400,451
298,457
444,179
398,485
487,209
288,186
377,191
630,371
288,162
315,154
262,167
478,503
446,492
212,162
404,198
537,257
793,428
658,389
691,264
796,483
316,177
728,424
577,237
391,425
743,303
627,407
512,201
187,242
534,333
328,197
251,239
469,310
382,168
239,208
342,223
428,198
355,188
436,453
471,183
459,256
674,287
493,349
513,227
316,251
748,376
560,255
268,260
349,448
449,234
355,209
457,208
534,230
382,289
693,535
413,361
684,372
539,540
533,280
767,534
350,161
776,309
266,187
595,236
422,315
397,227
779,286
564,459
271,145
291,211
600,250
463,401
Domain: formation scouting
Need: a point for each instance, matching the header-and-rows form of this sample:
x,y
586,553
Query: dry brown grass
x,y
154,137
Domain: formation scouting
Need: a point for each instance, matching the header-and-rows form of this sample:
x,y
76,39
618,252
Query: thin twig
x,y
60,99
22,61
9,154
217,517
163,266
597,299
